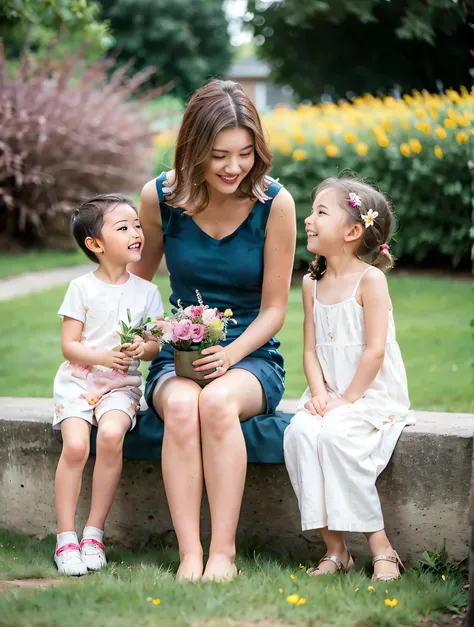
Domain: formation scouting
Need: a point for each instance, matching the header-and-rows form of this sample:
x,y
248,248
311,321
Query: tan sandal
x,y
314,570
388,576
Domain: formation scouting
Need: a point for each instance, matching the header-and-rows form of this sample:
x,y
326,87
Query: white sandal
x,y
388,576
314,570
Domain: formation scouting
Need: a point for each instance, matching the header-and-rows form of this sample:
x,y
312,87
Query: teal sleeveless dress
x,y
229,274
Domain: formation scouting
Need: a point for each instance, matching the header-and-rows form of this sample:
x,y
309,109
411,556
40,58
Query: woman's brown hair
x,y
373,247
217,106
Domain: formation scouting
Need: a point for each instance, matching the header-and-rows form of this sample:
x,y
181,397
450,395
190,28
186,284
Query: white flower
x,y
209,315
369,218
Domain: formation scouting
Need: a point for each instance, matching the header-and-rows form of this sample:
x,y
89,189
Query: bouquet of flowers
x,y
189,331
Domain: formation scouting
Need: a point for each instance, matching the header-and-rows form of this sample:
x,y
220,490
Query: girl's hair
x,y
373,247
88,219
217,106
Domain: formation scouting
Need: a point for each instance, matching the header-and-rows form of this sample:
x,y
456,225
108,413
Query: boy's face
x,y
121,238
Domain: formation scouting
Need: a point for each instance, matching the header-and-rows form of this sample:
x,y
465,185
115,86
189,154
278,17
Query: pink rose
x,y
167,330
182,330
197,332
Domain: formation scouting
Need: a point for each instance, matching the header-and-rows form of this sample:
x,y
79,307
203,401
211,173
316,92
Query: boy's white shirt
x,y
101,306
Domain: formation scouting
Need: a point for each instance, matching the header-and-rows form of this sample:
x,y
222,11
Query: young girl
x,y
351,415
94,387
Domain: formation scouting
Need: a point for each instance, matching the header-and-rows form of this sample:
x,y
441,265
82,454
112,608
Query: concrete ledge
x,y
424,490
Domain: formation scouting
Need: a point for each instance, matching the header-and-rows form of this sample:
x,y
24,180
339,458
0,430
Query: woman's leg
x,y
177,402
380,545
75,433
236,396
111,431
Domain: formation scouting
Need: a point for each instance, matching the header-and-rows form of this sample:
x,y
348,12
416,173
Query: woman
x,y
229,231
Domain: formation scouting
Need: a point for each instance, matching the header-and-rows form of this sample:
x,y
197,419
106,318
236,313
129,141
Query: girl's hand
x,y
135,350
216,358
115,359
317,404
337,402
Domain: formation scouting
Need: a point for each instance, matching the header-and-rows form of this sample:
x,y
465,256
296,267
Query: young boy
x,y
95,386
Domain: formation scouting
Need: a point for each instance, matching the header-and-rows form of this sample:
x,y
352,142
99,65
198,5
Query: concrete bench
x,y
424,490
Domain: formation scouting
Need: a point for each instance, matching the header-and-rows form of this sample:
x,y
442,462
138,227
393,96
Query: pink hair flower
x,y
384,249
355,200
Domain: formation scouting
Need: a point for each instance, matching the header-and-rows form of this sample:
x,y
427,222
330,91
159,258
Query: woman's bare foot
x,y
329,567
190,568
219,567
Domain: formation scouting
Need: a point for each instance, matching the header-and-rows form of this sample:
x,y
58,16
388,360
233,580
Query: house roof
x,y
250,67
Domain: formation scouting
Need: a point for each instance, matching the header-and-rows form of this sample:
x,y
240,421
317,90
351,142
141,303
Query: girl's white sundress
x,y
334,461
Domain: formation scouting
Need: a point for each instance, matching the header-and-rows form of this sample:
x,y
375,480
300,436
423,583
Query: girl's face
x,y
327,226
121,237
232,158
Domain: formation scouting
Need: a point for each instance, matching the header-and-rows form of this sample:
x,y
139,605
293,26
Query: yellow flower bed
x,y
368,122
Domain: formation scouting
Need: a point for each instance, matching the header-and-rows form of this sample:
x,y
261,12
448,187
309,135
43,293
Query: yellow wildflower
x,y
299,155
300,138
441,132
405,150
349,138
285,149
415,145
292,576
438,152
301,566
228,313
448,123
462,137
420,113
293,599
323,139
443,577
383,141
404,124
280,590
371,589
361,149
156,601
424,127
332,150
391,602
301,601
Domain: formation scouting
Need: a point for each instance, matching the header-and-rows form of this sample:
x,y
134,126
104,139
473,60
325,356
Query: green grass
x,y
16,263
118,595
432,318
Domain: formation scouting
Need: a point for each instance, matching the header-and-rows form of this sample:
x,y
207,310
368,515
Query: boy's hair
x,y
215,107
373,247
88,219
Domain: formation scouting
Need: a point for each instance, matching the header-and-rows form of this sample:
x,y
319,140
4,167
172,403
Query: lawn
x,y
11,263
432,317
138,588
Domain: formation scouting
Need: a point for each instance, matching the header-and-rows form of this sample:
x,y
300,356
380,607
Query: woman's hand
x,y
336,402
317,404
216,357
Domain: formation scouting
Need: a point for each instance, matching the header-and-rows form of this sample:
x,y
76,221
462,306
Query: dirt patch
x,y
29,584
456,620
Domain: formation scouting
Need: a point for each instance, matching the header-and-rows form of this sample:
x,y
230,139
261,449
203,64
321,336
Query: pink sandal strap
x,y
68,547
92,541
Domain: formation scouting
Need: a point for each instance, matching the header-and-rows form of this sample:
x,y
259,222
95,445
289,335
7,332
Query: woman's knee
x,y
75,452
181,415
217,409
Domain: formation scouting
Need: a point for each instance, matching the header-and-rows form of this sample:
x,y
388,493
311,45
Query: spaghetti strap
x,y
360,279
314,290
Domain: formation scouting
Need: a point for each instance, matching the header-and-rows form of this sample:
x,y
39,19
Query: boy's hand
x,y
336,402
317,404
115,359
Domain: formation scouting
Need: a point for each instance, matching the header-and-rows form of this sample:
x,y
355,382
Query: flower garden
x,y
416,148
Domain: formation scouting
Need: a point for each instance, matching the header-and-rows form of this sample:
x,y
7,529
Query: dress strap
x,y
314,290
359,280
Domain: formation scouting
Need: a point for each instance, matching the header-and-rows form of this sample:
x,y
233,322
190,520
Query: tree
x,y
340,46
186,40
35,23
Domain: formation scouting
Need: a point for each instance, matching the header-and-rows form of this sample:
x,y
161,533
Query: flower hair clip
x,y
369,217
355,200
384,249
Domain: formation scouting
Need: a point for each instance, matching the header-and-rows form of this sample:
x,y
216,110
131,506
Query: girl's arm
x,y
311,365
77,353
278,265
376,302
150,220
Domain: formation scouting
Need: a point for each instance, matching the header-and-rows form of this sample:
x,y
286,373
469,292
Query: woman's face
x,y
232,158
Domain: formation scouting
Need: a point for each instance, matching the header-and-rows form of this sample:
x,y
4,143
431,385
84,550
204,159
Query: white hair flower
x,y
369,217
